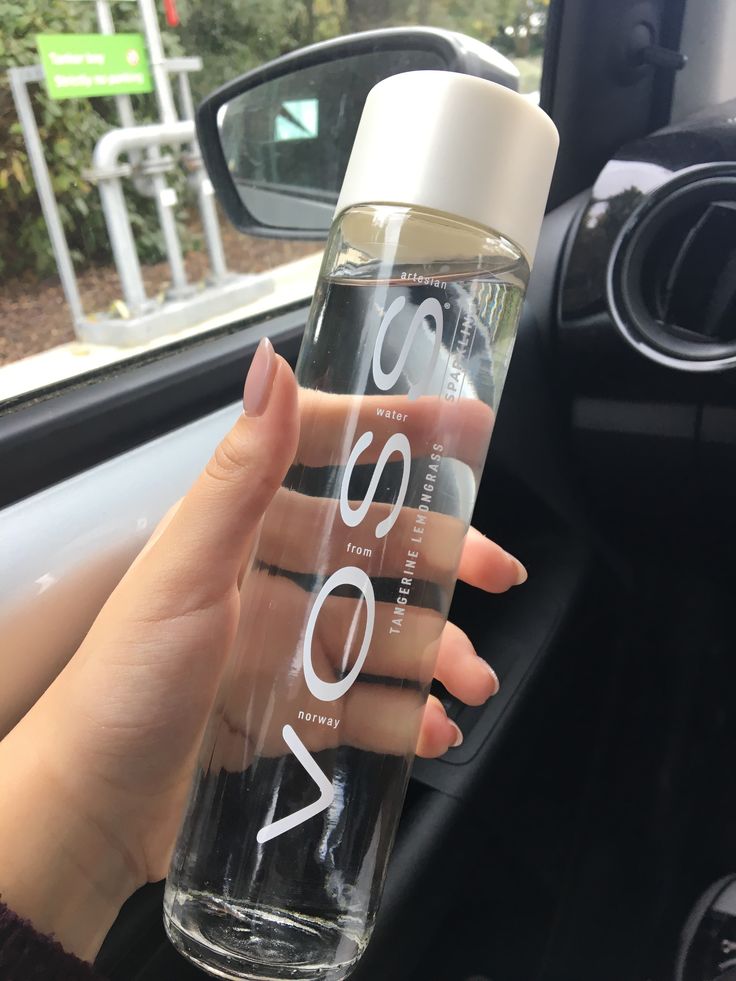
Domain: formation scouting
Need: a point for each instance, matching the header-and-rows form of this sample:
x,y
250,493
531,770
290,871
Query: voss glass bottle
x,y
280,862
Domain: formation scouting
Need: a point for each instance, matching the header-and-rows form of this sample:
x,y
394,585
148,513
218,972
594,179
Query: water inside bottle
x,y
247,899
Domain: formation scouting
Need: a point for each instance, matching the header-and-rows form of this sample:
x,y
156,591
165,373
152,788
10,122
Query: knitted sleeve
x,y
26,955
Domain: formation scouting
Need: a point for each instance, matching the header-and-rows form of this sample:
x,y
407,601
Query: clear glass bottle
x,y
280,863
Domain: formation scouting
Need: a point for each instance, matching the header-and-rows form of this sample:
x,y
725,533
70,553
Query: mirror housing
x,y
276,141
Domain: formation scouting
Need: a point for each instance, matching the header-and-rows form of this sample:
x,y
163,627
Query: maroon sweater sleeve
x,y
26,955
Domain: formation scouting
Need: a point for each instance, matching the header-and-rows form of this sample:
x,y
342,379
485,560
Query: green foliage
x,y
521,27
23,236
69,131
231,36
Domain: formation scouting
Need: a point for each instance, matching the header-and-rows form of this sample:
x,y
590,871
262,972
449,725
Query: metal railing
x,y
133,152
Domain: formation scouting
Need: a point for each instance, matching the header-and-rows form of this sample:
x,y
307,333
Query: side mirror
x,y
276,141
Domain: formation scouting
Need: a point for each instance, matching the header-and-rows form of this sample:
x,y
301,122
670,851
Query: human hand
x,y
93,780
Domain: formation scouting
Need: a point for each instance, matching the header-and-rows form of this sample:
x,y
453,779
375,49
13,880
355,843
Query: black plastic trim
x,y
670,36
93,419
657,341
584,88
520,634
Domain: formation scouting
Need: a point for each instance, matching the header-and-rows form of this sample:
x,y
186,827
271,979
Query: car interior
x,y
586,828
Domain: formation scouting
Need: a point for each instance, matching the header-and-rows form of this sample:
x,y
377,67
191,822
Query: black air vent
x,y
672,276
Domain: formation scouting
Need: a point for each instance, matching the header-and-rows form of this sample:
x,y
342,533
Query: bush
x,y
230,36
69,130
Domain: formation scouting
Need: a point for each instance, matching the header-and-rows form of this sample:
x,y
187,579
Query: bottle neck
x,y
429,242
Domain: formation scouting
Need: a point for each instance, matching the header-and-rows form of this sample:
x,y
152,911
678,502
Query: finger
x,y
325,416
159,529
464,674
437,733
487,566
482,562
380,719
216,518
403,646
442,539
270,638
267,689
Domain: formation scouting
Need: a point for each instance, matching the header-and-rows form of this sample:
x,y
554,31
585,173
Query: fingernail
x,y
521,574
260,377
492,673
458,739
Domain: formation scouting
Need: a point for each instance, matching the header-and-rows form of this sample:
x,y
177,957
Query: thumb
x,y
206,536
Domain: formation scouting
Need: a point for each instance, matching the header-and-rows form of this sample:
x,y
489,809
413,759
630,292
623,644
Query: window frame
x,y
50,434
586,78
55,433
60,431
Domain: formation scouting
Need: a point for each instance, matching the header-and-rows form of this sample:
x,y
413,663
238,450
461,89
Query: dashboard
x,y
645,324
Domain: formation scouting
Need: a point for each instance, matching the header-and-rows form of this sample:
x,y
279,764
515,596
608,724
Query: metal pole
x,y
211,226
165,203
186,102
19,77
107,26
123,245
205,195
123,103
117,141
105,162
161,80
165,196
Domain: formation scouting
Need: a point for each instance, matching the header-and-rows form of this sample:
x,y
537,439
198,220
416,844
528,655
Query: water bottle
x,y
279,866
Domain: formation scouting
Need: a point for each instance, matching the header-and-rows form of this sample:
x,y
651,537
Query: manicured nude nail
x,y
259,381
521,574
458,739
492,673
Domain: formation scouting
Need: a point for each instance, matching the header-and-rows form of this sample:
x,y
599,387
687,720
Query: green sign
x,y
78,65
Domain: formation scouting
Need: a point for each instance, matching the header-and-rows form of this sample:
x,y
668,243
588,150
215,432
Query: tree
x,y
69,130
524,24
231,36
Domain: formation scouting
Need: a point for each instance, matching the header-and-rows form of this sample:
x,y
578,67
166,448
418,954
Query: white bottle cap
x,y
458,144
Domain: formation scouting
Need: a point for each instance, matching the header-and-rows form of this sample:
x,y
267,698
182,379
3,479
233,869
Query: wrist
x,y
57,867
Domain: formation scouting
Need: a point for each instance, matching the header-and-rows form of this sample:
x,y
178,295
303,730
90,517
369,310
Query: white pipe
x,y
106,158
117,141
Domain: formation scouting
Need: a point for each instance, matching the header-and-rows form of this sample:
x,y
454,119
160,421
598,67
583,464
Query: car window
x,y
112,244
